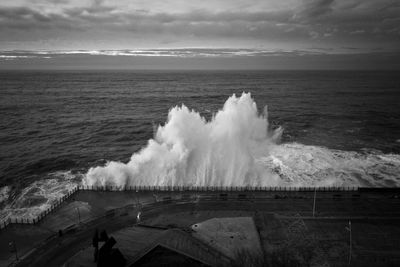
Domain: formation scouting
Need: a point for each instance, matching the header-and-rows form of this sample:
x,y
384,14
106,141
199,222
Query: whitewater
x,y
238,147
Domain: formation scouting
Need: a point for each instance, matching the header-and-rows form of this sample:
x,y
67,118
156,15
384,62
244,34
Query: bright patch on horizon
x,y
178,53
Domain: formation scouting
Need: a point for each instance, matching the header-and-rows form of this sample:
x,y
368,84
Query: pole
x,y
16,251
315,196
350,242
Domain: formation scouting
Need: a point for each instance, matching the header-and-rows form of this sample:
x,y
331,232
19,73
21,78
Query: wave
x,y
301,165
38,196
237,147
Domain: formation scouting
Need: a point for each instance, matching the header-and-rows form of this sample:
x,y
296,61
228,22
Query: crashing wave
x,y
238,148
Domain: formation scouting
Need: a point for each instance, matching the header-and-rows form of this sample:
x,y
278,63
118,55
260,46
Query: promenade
x,y
282,217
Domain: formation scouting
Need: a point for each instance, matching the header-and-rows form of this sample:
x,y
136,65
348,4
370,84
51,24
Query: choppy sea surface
x,y
337,128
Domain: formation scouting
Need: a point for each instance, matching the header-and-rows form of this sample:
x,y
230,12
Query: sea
x,y
59,129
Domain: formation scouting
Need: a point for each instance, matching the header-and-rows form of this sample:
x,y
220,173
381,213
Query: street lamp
x,y
349,229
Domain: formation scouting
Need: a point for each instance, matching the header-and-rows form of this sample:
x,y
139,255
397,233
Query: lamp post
x,y
350,246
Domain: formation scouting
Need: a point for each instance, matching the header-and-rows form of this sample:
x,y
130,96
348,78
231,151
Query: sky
x,y
252,33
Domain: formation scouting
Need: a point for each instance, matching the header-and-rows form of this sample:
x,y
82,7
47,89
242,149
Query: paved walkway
x,y
378,219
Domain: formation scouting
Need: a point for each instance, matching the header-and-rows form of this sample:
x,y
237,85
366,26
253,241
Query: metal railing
x,y
40,216
144,188
148,188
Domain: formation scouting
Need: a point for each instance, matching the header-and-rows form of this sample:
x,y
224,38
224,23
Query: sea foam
x,y
188,150
38,196
237,147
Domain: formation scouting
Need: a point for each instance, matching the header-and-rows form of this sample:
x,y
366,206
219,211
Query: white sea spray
x,y
238,148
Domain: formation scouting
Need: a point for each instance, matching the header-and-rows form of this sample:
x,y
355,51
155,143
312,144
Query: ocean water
x,y
59,129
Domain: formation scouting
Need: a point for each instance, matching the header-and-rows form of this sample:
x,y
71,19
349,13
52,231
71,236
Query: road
x,y
381,211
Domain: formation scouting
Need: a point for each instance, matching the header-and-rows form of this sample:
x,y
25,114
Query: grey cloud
x,y
198,23
98,9
27,20
315,8
50,1
335,20
95,9
21,13
312,9
201,16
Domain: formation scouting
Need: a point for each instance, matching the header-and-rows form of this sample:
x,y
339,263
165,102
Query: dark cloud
x,y
18,22
22,13
314,8
199,23
97,7
332,23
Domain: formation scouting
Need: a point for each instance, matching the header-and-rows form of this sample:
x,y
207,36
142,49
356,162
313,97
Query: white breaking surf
x,y
237,148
